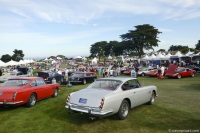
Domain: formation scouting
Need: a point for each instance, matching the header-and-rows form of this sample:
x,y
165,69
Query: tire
x,y
153,95
31,101
192,74
143,74
179,76
123,110
84,81
55,94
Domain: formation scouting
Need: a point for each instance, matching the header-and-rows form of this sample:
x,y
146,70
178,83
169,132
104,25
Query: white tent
x,y
167,57
94,61
11,63
189,53
152,57
77,57
159,57
110,57
2,63
45,59
84,58
178,54
59,58
146,57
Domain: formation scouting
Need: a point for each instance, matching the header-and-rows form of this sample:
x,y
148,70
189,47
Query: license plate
x,y
82,100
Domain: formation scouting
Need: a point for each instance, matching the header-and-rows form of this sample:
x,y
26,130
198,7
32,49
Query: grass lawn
x,y
177,108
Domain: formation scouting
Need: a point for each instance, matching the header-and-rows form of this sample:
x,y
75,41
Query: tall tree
x,y
198,45
143,37
98,49
18,55
6,58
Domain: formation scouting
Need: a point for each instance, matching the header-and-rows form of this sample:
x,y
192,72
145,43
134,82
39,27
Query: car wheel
x,y
55,94
192,74
123,110
143,74
84,81
179,76
152,100
32,100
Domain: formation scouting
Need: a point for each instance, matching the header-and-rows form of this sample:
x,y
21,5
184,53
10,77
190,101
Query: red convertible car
x,y
174,72
26,90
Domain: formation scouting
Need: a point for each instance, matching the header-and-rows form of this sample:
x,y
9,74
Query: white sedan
x,y
108,96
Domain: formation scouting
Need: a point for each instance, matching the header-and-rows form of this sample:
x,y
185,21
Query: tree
x,y
18,55
143,37
161,50
98,49
6,58
198,45
183,49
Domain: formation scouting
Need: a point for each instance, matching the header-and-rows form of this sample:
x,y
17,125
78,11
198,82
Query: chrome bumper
x,y
10,103
88,110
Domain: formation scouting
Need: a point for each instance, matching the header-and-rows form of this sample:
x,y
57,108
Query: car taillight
x,y
101,103
68,98
14,96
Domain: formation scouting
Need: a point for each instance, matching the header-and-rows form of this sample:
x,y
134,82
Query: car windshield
x,y
105,84
15,82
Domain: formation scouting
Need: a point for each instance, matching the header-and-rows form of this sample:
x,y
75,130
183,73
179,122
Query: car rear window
x,y
105,84
16,82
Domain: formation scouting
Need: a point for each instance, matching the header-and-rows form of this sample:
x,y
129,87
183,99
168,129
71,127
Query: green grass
x,y
176,107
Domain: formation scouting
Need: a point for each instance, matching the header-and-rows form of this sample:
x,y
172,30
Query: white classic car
x,y
108,96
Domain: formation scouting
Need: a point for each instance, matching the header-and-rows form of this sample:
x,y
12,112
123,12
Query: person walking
x,y
160,73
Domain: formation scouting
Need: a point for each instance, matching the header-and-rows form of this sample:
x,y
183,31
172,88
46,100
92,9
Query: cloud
x,y
81,12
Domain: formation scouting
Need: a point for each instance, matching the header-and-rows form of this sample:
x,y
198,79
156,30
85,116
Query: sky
x,y
42,28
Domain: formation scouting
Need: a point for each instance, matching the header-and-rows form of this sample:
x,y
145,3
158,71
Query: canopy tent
x,y
146,57
189,53
11,63
59,58
46,59
2,63
159,57
84,58
167,57
94,61
152,57
178,53
77,57
110,57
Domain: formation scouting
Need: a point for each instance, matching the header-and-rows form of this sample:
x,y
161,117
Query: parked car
x,y
26,90
143,72
49,76
82,77
194,67
175,72
12,74
154,73
128,71
113,95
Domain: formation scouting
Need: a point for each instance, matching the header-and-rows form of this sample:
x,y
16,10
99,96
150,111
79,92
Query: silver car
x,y
108,96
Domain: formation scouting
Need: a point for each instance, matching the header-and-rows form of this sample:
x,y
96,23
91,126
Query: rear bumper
x,y
88,110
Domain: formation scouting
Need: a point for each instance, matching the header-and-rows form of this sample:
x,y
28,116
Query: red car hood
x,y
171,69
